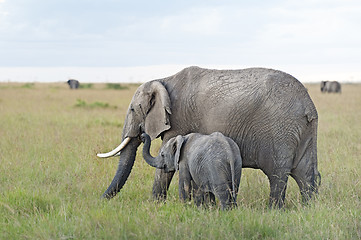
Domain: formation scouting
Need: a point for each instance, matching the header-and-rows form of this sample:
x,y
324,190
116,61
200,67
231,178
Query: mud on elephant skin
x,y
209,166
268,113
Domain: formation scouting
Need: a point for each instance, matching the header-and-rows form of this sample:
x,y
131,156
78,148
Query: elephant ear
x,y
157,119
177,149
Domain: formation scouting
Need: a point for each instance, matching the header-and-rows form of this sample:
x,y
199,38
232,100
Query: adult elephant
x,y
73,84
268,113
330,87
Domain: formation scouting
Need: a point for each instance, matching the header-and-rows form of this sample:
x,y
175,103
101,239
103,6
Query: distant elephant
x,y
330,87
268,113
73,84
210,165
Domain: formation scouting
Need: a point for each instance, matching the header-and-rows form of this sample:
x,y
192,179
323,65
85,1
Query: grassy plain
x,y
51,179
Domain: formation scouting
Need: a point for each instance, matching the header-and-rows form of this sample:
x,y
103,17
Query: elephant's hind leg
x,y
198,195
161,184
307,177
278,186
277,166
209,199
305,171
226,197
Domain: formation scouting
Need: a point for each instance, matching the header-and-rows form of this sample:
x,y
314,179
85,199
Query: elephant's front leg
x,y
161,184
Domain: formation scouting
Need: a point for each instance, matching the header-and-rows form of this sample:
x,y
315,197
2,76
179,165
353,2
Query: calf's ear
x,y
178,143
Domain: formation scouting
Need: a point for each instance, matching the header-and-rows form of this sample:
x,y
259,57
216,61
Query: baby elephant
x,y
210,165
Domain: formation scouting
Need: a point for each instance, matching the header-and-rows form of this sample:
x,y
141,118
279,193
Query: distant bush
x,y
99,105
28,85
116,86
80,103
84,104
86,85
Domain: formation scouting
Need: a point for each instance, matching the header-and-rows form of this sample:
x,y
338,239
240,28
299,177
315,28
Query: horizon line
x,y
141,74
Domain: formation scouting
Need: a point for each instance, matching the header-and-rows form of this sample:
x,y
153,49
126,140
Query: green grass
x,y
51,180
83,104
28,85
116,86
86,85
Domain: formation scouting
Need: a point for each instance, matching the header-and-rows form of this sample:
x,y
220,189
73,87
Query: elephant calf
x,y
210,165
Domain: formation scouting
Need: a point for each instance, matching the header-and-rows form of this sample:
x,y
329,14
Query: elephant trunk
x,y
152,161
126,162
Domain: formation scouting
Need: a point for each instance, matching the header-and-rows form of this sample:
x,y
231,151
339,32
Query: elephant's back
x,y
249,83
230,83
248,76
231,90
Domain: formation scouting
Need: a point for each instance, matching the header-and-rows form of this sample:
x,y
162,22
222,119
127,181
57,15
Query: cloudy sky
x,y
315,37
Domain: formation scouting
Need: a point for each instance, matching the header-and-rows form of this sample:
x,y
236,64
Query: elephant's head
x,y
148,112
323,86
73,84
169,155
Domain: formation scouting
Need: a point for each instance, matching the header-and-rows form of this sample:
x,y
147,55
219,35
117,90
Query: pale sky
x,y
318,38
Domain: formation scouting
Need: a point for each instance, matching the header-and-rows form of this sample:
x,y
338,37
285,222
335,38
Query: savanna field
x,y
51,180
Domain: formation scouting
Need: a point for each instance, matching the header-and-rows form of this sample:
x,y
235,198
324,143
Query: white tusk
x,y
116,150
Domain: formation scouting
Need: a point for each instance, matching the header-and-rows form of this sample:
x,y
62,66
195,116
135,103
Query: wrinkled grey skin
x,y
210,165
268,113
330,87
73,84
